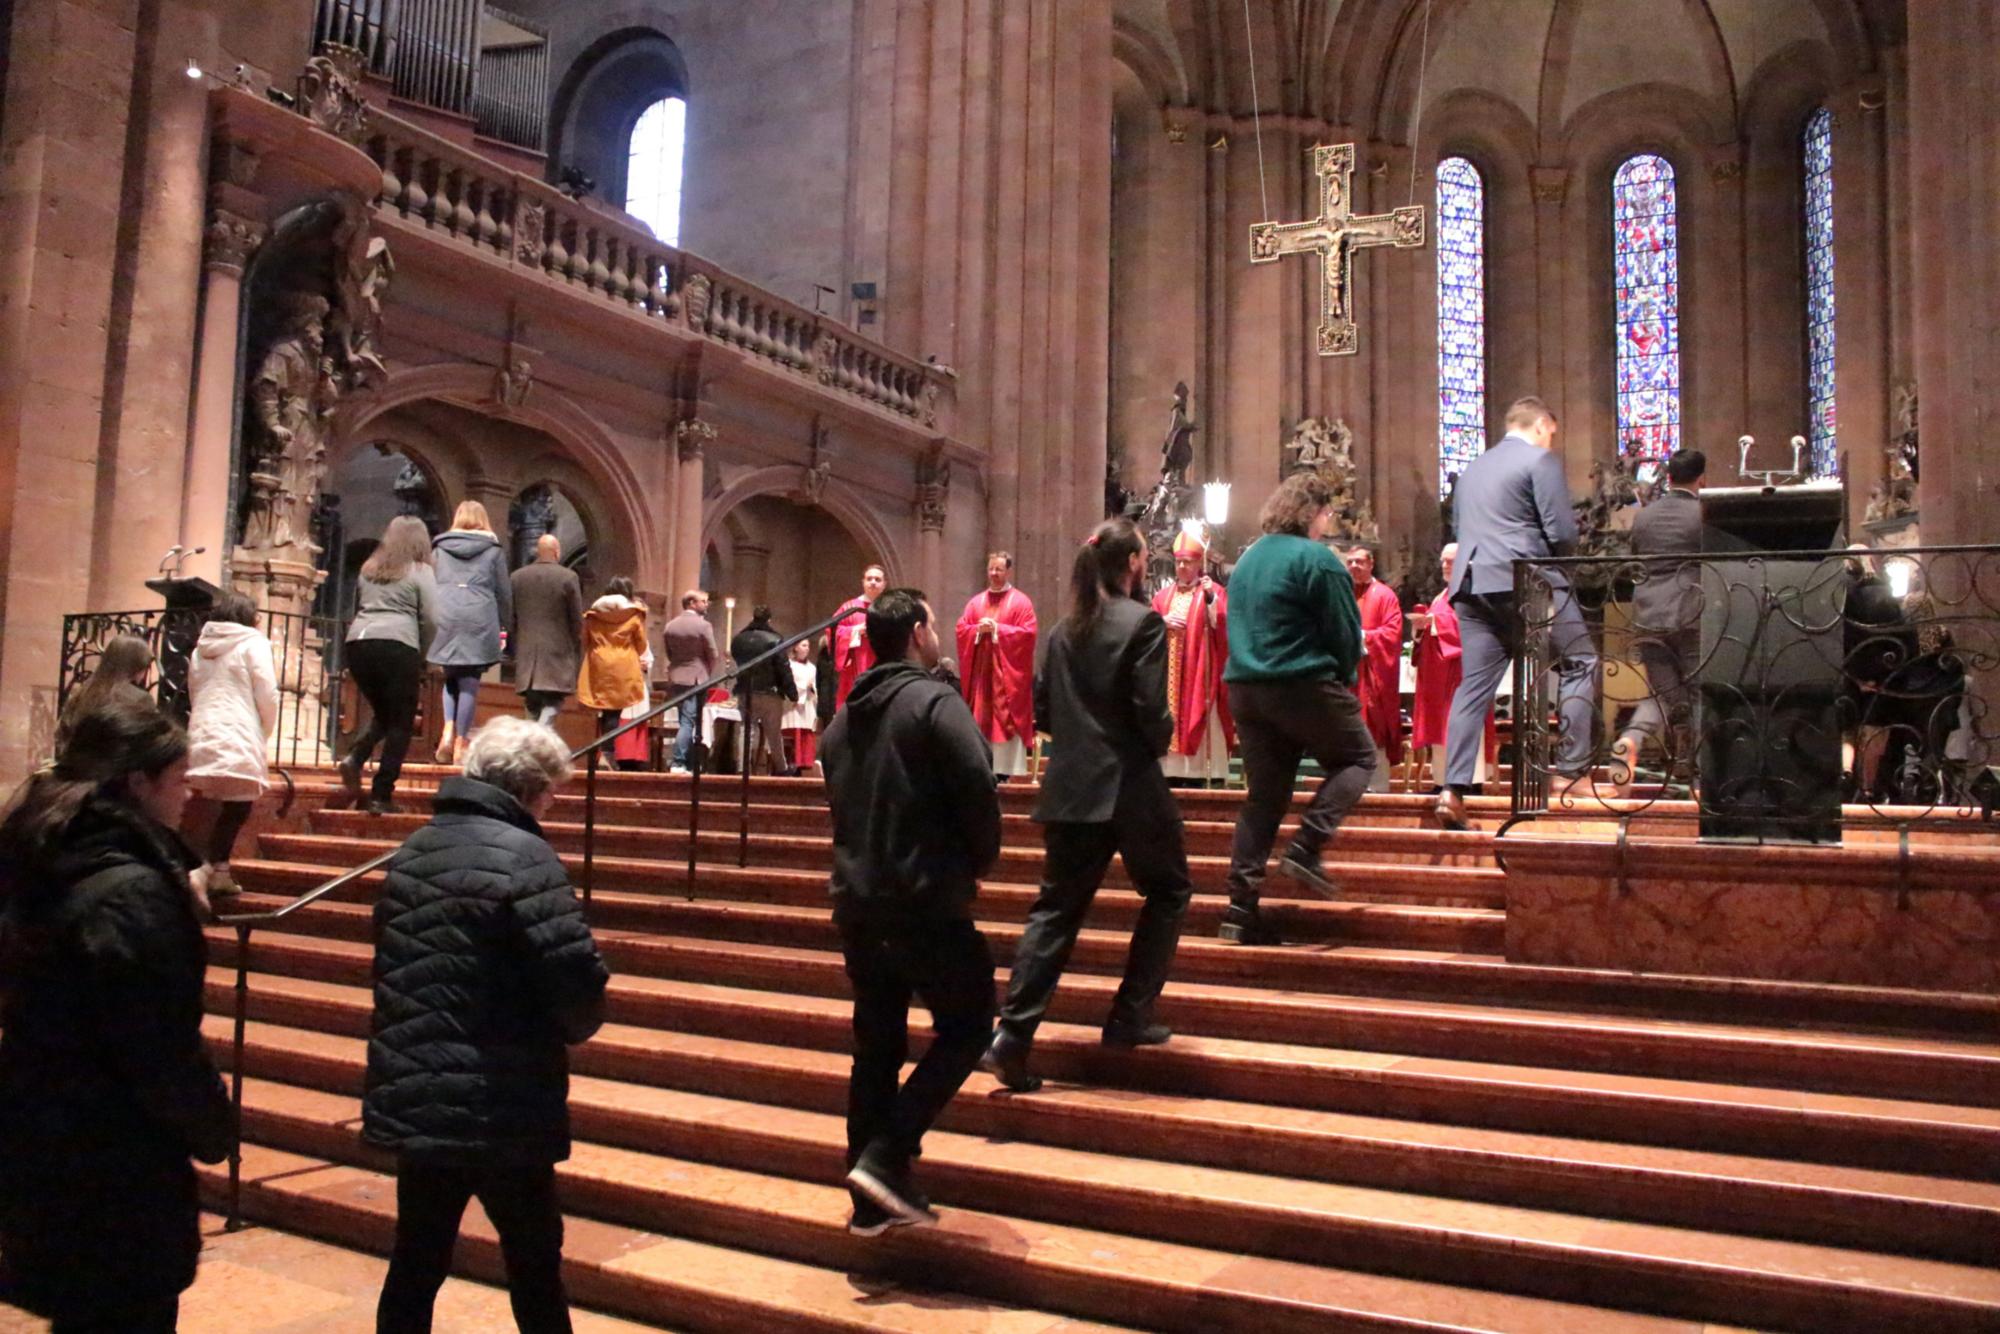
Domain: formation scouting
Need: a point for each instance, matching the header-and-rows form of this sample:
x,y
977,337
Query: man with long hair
x,y
1294,649
916,822
1103,699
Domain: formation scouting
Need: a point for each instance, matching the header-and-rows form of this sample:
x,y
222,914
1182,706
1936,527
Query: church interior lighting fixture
x,y
1215,503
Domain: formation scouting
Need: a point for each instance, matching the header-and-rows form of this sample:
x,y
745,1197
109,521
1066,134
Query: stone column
x,y
497,496
691,439
229,243
933,502
1862,245
753,577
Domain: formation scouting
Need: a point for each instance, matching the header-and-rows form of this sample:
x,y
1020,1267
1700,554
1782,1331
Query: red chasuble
x,y
1196,655
1440,666
1381,667
998,675
852,653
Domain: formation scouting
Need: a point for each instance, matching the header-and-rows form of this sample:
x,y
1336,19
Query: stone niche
x,y
1864,914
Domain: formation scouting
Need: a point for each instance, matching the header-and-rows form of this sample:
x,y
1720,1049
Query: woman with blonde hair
x,y
617,660
386,642
474,599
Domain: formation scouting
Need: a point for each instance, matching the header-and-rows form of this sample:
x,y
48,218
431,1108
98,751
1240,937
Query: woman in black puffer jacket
x,y
105,1087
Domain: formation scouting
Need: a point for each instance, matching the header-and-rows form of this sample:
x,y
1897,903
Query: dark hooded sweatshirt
x,y
916,819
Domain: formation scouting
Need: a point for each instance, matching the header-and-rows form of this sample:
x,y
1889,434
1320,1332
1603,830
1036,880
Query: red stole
x,y
1379,679
852,653
998,675
1195,658
1440,667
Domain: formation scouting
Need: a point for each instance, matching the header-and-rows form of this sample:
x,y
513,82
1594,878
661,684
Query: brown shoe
x,y
1450,810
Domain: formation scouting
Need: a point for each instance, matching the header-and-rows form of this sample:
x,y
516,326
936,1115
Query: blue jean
x,y
690,728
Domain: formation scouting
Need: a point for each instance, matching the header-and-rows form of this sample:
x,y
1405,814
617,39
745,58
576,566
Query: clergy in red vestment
x,y
996,664
1196,610
1439,668
852,653
1381,678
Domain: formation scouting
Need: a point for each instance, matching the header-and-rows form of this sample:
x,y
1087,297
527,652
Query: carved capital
x,y
229,241
1175,124
933,489
691,439
1550,184
1725,170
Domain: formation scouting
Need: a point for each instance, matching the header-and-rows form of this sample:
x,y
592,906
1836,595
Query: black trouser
x,y
520,1201
542,706
1277,724
389,676
230,817
947,965
1075,858
1666,713
162,1317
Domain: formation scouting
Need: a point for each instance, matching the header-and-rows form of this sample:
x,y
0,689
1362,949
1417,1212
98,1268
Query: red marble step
x,y
1459,886
1156,1284
1864,1132
1677,1271
1478,930
631,1270
1943,1219
663,833
1359,970
1779,1058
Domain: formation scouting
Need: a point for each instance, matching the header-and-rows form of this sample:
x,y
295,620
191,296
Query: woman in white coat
x,y
233,688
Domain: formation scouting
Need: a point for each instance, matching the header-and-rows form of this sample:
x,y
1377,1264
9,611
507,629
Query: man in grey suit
x,y
548,631
1512,503
1666,616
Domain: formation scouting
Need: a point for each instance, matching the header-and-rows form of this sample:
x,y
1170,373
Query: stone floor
x,y
263,1282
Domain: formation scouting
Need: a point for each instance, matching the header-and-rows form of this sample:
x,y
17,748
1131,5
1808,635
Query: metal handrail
x,y
245,923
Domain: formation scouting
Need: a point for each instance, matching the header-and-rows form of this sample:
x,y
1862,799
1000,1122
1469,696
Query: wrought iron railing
x,y
1787,693
590,753
308,652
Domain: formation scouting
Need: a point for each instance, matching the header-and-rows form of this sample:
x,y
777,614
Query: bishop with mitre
x,y
996,664
1381,678
1196,610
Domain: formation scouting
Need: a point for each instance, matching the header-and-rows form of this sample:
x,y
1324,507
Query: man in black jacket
x,y
1103,698
763,692
484,970
1666,617
916,822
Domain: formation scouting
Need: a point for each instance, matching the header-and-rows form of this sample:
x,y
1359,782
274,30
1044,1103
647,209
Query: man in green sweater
x,y
1294,645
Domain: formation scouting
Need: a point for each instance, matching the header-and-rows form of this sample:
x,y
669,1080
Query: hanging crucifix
x,y
1334,236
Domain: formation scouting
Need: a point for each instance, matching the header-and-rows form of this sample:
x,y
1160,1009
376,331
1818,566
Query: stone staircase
x,y
1385,1126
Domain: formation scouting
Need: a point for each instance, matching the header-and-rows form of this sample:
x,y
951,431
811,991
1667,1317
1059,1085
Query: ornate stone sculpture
x,y
1177,453
1905,443
820,471
362,269
933,489
329,93
697,293
1317,445
230,241
691,438
291,398
513,381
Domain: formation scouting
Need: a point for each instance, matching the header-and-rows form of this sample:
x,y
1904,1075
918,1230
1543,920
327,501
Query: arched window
x,y
1461,248
1818,147
1646,280
653,168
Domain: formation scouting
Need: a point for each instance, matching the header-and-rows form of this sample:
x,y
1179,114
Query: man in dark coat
x,y
764,691
1666,617
547,638
484,970
916,822
1103,698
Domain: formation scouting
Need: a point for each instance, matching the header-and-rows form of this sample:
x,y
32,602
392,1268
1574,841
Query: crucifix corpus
x,y
1334,236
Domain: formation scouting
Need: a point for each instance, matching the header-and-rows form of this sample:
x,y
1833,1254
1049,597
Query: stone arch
x,y
602,95
1139,51
589,446
839,499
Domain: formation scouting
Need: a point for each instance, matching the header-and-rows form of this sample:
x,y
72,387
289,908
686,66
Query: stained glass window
x,y
653,171
1819,290
1646,281
1461,250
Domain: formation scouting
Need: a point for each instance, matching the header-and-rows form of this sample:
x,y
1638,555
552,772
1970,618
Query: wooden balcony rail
x,y
610,258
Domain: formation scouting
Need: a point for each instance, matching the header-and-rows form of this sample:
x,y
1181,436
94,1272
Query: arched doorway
x,y
369,487
798,559
545,508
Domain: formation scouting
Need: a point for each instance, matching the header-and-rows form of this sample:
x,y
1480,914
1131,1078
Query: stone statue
x,y
291,399
1904,447
362,269
1177,454
1317,445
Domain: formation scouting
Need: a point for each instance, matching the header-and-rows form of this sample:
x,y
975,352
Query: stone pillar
x,y
753,577
691,439
211,474
933,503
1955,160
497,496
1862,245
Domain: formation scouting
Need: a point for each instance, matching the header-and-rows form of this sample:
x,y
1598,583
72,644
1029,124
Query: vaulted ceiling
x,y
1365,64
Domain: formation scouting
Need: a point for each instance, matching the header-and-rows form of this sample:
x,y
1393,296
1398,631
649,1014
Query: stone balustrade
x,y
609,258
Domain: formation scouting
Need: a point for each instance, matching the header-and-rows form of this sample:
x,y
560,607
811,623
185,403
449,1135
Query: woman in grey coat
x,y
474,599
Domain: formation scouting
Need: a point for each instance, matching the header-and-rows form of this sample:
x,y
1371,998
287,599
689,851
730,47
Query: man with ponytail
x,y
1103,699
916,822
1294,647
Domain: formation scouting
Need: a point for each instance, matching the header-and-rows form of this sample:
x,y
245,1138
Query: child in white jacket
x,y
233,688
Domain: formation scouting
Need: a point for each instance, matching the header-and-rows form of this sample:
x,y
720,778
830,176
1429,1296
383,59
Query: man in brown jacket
x,y
691,659
547,635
